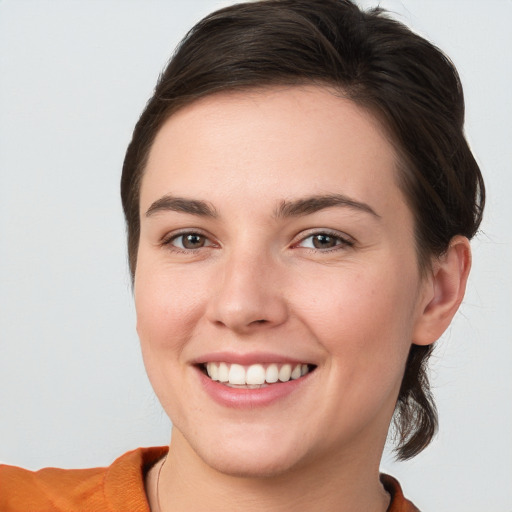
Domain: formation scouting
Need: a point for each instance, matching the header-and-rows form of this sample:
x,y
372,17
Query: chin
x,y
250,467
258,457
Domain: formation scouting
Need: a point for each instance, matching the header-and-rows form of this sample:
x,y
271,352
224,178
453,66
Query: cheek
x,y
169,308
361,318
166,301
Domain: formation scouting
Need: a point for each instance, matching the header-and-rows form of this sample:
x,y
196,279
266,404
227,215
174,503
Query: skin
x,y
259,284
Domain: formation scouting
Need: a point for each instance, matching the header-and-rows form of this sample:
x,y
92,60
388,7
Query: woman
x,y
299,198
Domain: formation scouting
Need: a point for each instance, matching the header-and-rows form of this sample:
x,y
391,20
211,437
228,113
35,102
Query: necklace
x,y
158,485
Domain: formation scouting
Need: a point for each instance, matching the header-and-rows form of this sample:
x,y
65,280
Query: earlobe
x,y
445,291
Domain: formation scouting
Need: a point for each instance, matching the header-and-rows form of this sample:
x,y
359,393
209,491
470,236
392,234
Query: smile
x,y
256,375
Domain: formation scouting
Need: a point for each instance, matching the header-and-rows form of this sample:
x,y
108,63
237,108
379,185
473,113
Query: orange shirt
x,y
117,488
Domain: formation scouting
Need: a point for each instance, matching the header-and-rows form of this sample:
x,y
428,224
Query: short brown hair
x,y
381,65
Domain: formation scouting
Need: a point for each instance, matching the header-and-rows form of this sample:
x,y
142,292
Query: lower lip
x,y
240,398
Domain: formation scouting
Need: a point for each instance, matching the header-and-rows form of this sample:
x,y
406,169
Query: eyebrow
x,y
180,204
312,204
295,208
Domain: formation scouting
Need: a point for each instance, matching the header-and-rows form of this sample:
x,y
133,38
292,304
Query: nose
x,y
247,294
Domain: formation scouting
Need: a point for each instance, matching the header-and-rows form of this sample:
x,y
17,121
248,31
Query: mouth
x,y
254,376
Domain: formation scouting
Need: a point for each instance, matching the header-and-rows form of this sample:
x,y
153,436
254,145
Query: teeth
x,y
255,374
285,372
223,372
296,372
272,374
213,371
237,374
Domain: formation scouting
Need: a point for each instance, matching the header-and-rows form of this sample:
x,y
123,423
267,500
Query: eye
x,y
324,241
188,241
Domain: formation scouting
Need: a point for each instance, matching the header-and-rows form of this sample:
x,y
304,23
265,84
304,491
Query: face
x,y
277,287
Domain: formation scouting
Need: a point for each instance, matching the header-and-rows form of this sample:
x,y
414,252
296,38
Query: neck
x,y
184,482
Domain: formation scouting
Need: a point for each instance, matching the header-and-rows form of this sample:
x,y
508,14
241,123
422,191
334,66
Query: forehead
x,y
286,140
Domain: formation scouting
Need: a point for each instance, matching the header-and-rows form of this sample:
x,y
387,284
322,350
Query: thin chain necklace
x,y
158,485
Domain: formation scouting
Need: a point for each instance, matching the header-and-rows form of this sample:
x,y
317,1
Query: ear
x,y
443,292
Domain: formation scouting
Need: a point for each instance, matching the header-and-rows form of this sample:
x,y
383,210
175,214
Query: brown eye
x,y
193,241
324,241
189,241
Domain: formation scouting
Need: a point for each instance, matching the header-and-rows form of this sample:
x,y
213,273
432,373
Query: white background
x,y
74,76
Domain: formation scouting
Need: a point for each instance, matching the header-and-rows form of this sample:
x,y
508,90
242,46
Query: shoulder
x,y
49,488
399,503
113,488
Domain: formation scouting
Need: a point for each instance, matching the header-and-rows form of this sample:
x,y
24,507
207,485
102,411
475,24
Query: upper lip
x,y
248,358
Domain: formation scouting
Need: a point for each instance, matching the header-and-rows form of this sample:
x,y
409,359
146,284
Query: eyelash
x,y
342,242
168,241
